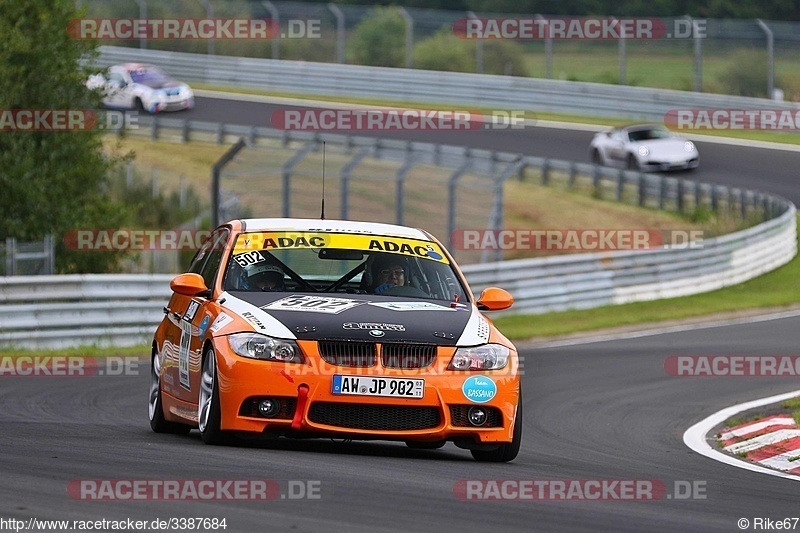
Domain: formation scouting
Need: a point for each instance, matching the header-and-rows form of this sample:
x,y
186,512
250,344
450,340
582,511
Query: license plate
x,y
377,386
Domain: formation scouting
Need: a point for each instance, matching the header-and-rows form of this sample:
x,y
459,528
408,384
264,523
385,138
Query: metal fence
x,y
432,87
325,33
109,309
120,310
442,188
27,258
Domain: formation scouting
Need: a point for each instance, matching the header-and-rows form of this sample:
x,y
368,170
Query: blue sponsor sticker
x,y
204,325
434,255
479,389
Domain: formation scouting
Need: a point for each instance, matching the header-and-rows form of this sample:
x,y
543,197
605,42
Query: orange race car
x,y
327,328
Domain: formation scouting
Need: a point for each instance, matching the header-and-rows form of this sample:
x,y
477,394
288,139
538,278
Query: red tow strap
x,y
302,400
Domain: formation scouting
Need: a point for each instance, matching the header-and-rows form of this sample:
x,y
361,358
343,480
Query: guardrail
x,y
584,281
57,311
81,309
113,309
435,87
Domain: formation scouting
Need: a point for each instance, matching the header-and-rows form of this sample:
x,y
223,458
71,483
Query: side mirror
x,y
495,299
190,284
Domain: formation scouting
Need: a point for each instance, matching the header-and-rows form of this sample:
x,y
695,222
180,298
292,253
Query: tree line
x,y
785,10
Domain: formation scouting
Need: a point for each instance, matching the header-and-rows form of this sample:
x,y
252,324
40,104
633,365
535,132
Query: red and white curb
x,y
772,442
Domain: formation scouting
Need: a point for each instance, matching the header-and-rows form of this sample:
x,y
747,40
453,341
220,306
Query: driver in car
x,y
388,272
264,277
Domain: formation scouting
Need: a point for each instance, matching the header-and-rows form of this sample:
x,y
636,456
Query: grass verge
x,y
80,351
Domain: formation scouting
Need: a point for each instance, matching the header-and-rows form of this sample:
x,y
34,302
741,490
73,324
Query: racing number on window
x,y
249,258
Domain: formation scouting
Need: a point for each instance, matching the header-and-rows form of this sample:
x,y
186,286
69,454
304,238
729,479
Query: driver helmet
x,y
264,277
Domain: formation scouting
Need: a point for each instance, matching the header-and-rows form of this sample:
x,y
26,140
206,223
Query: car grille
x,y
408,355
458,416
346,353
376,417
250,407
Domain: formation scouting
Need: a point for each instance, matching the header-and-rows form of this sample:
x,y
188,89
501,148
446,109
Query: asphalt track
x,y
598,411
605,410
775,171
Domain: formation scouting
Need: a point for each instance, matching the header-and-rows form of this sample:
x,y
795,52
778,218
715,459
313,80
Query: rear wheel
x,y
508,451
633,163
157,421
208,410
597,159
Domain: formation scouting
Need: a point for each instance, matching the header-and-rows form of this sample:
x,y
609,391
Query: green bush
x,y
747,75
504,57
444,51
379,39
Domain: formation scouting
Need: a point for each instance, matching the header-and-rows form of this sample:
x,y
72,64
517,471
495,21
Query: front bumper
x,y
309,407
670,165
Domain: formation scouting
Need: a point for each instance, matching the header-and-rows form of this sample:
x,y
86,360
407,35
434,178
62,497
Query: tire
x,y
597,159
633,163
208,410
505,452
138,105
156,411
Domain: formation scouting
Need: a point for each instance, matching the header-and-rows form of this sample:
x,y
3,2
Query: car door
x,y
117,91
187,316
616,145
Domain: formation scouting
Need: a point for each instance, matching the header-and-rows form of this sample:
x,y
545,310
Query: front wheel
x,y
208,410
508,451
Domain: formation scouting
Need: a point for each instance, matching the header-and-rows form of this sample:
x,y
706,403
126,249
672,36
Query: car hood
x,y
358,317
672,147
166,84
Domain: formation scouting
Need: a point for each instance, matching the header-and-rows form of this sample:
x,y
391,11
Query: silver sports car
x,y
644,147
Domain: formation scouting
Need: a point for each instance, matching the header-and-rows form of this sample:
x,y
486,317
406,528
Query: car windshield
x,y
648,134
148,76
342,263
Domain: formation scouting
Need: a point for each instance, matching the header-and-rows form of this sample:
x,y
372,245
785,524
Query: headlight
x,y
688,146
257,346
485,357
644,151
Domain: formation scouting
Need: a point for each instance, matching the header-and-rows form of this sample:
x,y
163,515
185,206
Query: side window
x,y
208,258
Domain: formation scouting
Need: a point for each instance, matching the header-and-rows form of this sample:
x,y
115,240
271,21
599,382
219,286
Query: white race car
x,y
141,87
644,147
